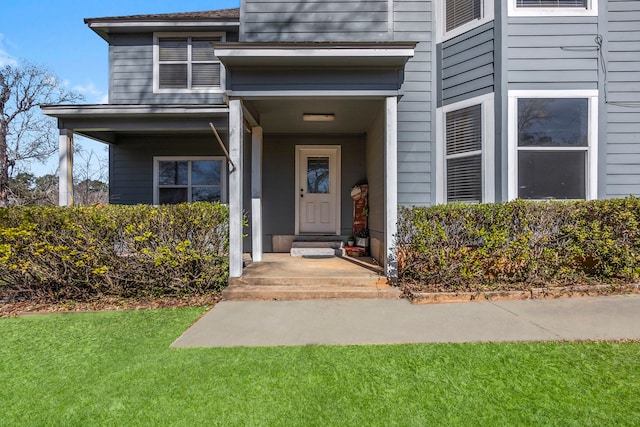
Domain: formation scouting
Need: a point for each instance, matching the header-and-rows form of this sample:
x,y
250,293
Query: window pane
x,y
464,179
205,75
202,49
171,196
459,12
464,130
173,172
553,122
205,194
318,175
552,3
173,76
205,172
173,49
559,175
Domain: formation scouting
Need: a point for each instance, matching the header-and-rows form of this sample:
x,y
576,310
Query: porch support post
x,y
235,187
391,185
65,168
256,193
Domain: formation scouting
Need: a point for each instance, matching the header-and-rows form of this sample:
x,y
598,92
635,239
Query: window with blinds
x,y
552,3
188,63
463,154
460,12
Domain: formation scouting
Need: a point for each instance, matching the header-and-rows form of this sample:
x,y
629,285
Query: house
x,y
426,101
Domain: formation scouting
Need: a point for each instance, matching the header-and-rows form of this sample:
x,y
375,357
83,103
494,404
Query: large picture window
x,y
186,63
459,16
182,179
466,144
552,140
553,7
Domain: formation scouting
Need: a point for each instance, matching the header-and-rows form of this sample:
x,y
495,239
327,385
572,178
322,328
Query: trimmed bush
x,y
519,244
83,253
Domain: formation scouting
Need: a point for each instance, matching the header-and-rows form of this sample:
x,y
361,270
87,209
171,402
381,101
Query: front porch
x,y
280,276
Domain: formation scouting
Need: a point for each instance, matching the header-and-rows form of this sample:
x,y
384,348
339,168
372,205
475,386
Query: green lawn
x,y
117,369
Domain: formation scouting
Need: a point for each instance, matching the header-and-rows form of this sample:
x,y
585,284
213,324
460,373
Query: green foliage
x,y
519,244
83,253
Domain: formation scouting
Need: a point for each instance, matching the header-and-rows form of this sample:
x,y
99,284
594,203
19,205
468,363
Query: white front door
x,y
317,189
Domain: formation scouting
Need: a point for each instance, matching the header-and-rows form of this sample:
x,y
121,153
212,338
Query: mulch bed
x,y
16,308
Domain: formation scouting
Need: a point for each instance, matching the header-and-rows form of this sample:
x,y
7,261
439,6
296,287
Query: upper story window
x,y
553,144
186,63
459,16
465,144
553,7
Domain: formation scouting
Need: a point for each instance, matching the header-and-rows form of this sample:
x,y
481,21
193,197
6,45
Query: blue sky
x,y
52,33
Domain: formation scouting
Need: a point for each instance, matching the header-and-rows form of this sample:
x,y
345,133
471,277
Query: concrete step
x,y
286,292
308,282
317,248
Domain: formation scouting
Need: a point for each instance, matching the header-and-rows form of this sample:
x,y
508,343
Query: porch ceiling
x,y
285,115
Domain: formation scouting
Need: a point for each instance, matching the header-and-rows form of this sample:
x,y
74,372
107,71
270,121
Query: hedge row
x,y
83,253
518,245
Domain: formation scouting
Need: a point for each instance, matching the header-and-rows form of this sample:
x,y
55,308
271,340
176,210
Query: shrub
x,y
519,244
83,253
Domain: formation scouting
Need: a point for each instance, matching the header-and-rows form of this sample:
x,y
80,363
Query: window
x,y
552,145
459,16
181,179
186,63
466,145
553,7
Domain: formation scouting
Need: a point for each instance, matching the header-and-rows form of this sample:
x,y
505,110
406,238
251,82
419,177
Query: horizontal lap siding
x,y
467,66
131,74
131,162
552,53
413,22
315,20
623,96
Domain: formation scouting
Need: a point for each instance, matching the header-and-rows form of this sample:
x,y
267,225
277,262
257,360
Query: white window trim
x,y
488,154
440,12
591,95
156,64
514,10
156,170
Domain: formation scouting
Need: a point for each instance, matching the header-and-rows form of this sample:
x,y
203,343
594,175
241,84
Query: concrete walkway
x,y
345,322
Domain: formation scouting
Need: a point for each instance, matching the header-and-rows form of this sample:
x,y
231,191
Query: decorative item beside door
x,y
360,215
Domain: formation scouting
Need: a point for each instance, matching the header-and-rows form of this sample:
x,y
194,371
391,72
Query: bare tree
x,y
25,133
90,177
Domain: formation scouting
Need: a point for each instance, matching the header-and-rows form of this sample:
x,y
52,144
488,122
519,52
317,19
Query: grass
x,y
117,368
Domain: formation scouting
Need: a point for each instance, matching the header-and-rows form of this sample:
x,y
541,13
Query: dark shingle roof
x,y
207,15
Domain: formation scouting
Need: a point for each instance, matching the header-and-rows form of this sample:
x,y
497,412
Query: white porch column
x,y
391,184
256,193
235,188
65,168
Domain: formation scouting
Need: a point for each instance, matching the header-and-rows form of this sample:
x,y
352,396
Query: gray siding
x,y
292,79
131,74
131,162
314,20
466,67
375,177
552,52
413,22
278,179
623,98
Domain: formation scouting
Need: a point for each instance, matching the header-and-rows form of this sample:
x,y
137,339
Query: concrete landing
x,y
283,277
347,322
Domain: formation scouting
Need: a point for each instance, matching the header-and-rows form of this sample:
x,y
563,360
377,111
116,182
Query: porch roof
x,y
325,54
103,121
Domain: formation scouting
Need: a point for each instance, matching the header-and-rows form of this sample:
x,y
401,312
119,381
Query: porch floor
x,y
283,277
